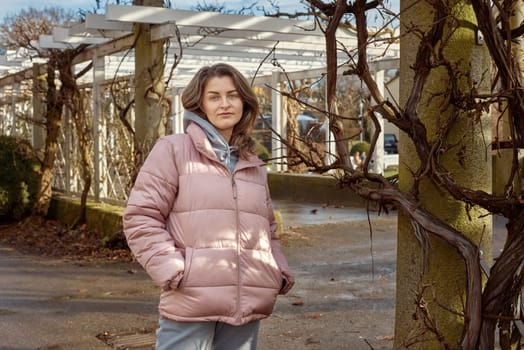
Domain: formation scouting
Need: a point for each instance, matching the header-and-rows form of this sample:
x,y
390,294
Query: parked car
x,y
390,144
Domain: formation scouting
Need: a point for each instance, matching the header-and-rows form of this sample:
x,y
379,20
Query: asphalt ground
x,y
343,298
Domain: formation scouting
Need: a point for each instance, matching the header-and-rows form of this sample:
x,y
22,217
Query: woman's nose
x,y
224,101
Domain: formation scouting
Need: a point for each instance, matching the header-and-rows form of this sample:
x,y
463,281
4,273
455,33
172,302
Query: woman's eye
x,y
233,97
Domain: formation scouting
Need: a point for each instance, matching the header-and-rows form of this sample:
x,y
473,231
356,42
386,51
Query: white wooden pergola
x,y
207,37
262,48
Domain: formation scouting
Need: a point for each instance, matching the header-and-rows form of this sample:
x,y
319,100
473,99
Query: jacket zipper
x,y
234,185
235,197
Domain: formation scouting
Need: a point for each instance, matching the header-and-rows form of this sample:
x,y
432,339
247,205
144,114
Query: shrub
x,y
360,146
262,152
19,178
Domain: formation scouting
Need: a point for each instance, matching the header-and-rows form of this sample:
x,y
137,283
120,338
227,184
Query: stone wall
x,y
106,220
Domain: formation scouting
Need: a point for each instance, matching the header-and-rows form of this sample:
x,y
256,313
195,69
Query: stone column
x,y
466,158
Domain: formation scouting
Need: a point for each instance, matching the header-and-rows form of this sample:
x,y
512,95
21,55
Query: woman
x,y
199,220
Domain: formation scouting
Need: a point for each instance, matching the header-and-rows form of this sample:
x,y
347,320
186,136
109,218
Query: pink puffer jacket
x,y
207,237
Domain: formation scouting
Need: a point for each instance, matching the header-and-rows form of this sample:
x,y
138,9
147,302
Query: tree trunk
x,y
150,102
430,299
53,121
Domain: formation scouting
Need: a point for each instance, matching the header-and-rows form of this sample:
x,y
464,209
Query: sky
x,y
11,7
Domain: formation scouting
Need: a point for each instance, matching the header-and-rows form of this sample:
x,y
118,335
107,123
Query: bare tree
x,y
221,7
21,31
446,146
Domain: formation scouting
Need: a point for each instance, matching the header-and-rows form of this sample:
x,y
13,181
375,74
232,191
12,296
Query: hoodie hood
x,y
226,154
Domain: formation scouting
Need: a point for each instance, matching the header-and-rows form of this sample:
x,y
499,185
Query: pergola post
x,y
14,92
98,78
38,120
67,149
3,120
278,151
149,85
177,114
377,160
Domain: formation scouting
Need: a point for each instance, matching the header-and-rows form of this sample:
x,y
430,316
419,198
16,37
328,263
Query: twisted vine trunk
x,y
53,122
293,136
335,125
76,104
445,174
503,287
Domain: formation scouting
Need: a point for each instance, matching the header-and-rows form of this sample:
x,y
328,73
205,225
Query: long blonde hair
x,y
192,101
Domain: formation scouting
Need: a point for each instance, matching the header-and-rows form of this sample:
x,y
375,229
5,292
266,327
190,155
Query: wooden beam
x,y
62,35
106,49
94,21
17,77
47,42
157,15
80,29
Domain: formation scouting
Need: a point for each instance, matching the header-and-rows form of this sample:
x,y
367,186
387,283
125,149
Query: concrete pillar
x,y
467,161
516,19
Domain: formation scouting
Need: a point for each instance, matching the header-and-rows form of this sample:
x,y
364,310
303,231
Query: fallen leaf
x,y
384,337
312,341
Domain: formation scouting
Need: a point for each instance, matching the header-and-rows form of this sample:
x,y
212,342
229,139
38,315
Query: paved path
x,y
54,304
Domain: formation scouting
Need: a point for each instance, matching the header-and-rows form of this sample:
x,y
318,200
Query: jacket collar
x,y
203,145
200,140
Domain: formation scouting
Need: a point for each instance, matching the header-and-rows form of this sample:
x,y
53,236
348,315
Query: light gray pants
x,y
173,335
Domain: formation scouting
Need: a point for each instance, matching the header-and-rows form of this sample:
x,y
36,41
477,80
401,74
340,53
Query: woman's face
x,y
222,104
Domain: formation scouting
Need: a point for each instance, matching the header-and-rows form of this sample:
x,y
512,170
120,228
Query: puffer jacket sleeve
x,y
145,215
289,279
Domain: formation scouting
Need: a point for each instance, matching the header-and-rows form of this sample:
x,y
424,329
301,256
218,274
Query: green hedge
x,y
361,147
262,152
19,178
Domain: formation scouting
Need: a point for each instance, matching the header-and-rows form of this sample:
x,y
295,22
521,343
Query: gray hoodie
x,y
227,154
